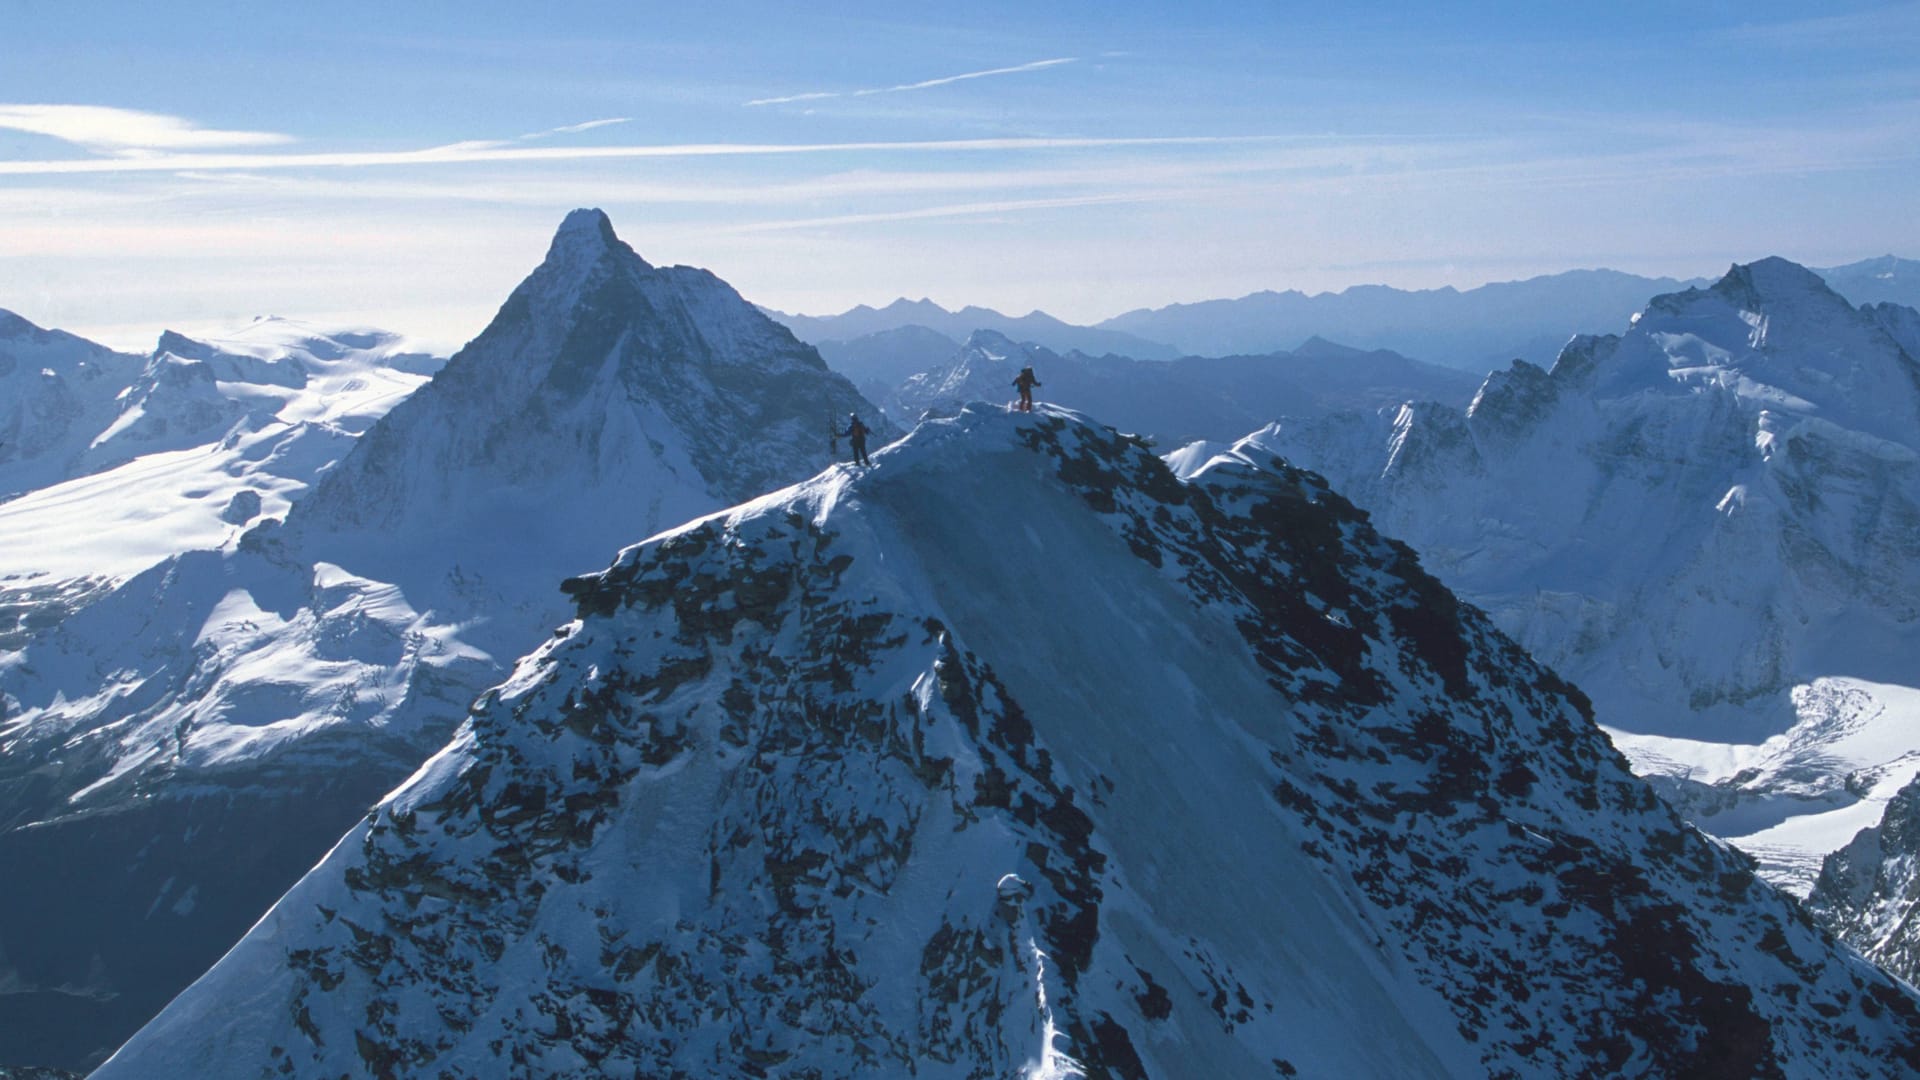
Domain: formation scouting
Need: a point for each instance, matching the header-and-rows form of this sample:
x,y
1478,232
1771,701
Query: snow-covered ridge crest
x,y
1016,749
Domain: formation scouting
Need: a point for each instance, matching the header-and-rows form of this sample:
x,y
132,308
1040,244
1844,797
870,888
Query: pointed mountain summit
x,y
608,399
1017,755
981,370
1778,337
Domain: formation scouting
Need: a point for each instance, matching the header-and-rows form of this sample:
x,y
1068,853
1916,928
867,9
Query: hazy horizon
x,y
404,167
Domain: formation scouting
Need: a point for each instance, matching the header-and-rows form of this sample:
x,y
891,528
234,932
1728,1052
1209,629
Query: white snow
x,y
114,523
1711,524
1155,717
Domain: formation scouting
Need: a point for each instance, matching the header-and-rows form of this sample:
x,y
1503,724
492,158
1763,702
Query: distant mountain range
x,y
1038,327
1478,330
1172,401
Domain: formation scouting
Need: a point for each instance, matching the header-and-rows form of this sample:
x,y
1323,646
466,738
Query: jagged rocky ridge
x,y
1016,755
178,752
1869,891
1711,523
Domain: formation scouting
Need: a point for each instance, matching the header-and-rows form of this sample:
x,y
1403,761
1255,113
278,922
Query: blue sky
x,y
403,165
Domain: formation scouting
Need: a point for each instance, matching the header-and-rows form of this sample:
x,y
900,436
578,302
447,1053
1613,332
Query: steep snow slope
x,y
1710,523
210,436
177,753
1181,399
1017,756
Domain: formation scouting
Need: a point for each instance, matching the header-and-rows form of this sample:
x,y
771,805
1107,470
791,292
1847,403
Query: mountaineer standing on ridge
x,y
856,434
1025,382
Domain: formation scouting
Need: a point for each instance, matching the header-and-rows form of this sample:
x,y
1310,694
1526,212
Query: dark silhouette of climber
x,y
1025,382
856,434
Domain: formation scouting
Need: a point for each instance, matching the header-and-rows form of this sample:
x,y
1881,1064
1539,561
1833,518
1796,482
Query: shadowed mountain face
x,y
179,750
1018,755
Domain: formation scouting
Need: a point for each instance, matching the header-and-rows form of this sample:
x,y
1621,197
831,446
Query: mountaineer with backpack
x,y
1025,382
856,435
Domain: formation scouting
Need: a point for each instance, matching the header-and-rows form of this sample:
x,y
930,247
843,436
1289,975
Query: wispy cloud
x,y
574,129
126,131
926,84
480,152
816,95
470,145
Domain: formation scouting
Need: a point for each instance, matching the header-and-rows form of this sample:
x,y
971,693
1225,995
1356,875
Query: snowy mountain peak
x,y
1753,293
600,373
1017,755
584,234
1771,282
584,255
1772,335
180,345
993,343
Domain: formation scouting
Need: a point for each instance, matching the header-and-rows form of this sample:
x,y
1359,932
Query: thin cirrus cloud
x,y
481,151
926,84
574,129
469,145
109,130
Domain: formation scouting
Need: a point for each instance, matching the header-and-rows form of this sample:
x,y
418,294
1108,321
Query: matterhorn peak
x,y
612,374
585,236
